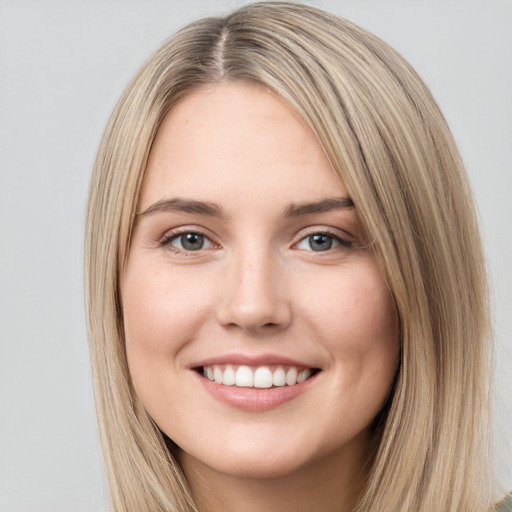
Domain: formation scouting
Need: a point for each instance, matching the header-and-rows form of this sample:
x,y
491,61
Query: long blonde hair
x,y
386,138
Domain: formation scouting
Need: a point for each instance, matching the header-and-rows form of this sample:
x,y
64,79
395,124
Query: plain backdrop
x,y
63,64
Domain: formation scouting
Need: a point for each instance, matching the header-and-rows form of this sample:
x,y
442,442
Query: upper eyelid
x,y
174,232
331,231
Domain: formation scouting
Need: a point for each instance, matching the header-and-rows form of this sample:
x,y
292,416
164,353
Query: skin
x,y
256,287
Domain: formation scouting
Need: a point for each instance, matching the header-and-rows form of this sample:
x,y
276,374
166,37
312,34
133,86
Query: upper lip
x,y
252,360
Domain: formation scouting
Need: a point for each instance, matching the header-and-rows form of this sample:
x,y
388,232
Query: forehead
x,y
237,141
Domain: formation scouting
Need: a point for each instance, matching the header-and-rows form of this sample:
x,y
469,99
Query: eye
x,y
187,241
319,242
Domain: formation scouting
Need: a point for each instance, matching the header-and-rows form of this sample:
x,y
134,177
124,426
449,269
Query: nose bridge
x,y
253,297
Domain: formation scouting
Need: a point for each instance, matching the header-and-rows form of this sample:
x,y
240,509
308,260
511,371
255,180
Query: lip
x,y
253,399
255,360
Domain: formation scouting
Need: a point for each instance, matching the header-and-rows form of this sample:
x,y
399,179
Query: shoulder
x,y
505,505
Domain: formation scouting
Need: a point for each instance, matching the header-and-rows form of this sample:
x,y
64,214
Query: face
x,y
260,335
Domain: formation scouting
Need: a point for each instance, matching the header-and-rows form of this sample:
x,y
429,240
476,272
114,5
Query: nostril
x,y
255,316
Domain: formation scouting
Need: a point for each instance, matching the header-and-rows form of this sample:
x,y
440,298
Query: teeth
x,y
229,377
217,375
244,377
303,375
279,377
261,377
291,376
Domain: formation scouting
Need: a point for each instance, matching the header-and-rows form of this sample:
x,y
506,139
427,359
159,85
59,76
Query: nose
x,y
253,295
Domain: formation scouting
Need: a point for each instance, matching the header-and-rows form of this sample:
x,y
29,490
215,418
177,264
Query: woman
x,y
286,292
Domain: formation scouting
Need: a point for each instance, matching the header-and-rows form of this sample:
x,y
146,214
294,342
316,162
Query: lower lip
x,y
255,399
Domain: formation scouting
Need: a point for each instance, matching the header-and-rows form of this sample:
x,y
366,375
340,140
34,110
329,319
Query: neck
x,y
331,483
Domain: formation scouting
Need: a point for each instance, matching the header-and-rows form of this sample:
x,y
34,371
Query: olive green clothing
x,y
505,505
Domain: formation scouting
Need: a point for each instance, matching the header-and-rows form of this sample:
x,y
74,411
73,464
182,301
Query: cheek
x,y
161,313
352,304
360,330
157,306
353,312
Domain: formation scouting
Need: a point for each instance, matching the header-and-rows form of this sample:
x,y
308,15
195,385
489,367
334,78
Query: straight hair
x,y
386,138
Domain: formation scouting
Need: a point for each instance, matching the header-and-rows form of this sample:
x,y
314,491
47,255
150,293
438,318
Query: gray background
x,y
63,64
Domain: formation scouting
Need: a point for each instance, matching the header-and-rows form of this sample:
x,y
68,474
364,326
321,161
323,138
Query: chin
x,y
267,455
257,465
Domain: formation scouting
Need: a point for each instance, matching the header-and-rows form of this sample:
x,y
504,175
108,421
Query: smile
x,y
255,387
262,377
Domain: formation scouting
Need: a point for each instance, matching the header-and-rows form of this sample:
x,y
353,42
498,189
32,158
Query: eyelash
x,y
343,242
171,237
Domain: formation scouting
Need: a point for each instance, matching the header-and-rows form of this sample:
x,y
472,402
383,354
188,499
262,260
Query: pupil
x,y
320,242
192,241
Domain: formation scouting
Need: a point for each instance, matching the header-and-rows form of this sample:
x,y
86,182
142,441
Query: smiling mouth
x,y
262,377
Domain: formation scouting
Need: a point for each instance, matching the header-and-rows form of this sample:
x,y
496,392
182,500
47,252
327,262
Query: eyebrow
x,y
213,210
325,205
184,205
